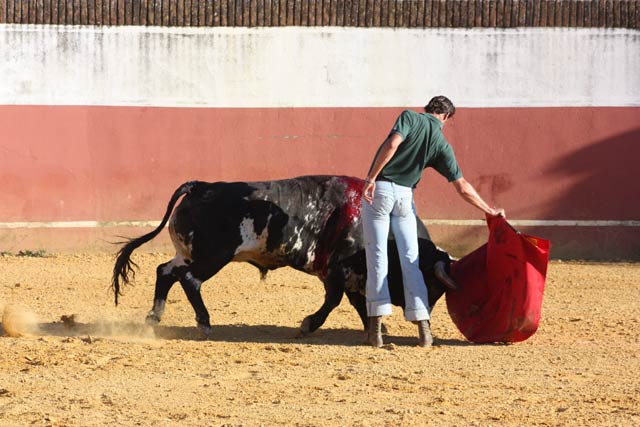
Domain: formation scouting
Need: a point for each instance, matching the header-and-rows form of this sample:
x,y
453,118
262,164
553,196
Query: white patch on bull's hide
x,y
297,245
177,261
311,254
250,240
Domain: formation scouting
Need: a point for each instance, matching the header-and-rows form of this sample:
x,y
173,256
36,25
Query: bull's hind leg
x,y
165,278
334,289
191,279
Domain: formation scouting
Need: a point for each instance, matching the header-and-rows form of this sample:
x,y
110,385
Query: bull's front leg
x,y
164,281
334,290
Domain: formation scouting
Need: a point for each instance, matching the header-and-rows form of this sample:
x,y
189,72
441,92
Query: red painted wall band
x,y
123,163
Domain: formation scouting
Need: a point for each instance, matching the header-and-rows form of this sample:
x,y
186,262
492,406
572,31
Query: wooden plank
x,y
572,21
119,12
411,14
602,13
282,13
580,14
536,8
24,14
351,13
339,7
400,5
442,18
127,12
179,17
484,17
109,12
448,13
184,17
377,12
362,12
163,13
391,20
3,11
419,14
193,12
479,13
586,7
304,13
201,7
384,13
557,10
98,10
224,13
522,13
529,13
543,13
138,11
609,14
500,14
311,13
144,12
493,13
241,14
32,12
347,6
10,12
464,14
633,15
197,12
471,14
46,11
260,13
87,12
616,13
623,14
368,13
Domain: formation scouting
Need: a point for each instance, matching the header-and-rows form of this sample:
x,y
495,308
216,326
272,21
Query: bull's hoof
x,y
305,328
152,319
204,329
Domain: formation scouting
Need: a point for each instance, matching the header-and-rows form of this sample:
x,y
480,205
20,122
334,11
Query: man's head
x,y
441,107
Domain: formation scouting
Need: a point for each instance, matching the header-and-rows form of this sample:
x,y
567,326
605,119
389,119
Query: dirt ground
x,y
107,368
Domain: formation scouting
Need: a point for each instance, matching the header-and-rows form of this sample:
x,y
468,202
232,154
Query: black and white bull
x,y
310,223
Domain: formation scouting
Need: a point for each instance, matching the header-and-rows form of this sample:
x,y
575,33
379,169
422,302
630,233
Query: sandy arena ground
x,y
582,368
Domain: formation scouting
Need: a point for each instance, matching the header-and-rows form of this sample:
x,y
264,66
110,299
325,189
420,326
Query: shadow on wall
x,y
604,185
599,182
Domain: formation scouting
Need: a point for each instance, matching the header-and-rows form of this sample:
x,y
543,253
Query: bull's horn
x,y
442,275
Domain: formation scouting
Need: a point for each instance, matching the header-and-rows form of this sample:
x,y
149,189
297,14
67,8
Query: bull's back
x,y
289,222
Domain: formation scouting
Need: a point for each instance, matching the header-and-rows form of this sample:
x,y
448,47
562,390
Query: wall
x,y
101,124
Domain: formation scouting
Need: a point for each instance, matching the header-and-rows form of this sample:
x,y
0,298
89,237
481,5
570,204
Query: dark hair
x,y
440,105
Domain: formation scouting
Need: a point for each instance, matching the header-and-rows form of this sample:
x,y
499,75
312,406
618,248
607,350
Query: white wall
x,y
317,67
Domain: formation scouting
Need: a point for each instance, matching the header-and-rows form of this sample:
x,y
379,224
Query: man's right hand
x,y
369,189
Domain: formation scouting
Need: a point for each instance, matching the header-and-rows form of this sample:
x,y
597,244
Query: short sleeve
x,y
447,165
403,124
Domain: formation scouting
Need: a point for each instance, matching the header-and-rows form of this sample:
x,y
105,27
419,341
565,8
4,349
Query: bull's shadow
x,y
237,333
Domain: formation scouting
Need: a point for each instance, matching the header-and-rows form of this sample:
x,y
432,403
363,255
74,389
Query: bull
x,y
309,223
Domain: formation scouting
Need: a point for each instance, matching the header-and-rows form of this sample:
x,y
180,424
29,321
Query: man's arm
x,y
468,193
388,149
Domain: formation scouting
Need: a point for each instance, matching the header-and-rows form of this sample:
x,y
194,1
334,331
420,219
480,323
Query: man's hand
x,y
369,189
498,212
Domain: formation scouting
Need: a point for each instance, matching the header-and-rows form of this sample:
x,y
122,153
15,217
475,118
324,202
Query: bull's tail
x,y
124,269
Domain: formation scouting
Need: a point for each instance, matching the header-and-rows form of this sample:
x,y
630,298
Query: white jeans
x,y
393,205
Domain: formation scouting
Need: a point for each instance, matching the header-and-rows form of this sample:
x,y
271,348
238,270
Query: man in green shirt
x,y
415,143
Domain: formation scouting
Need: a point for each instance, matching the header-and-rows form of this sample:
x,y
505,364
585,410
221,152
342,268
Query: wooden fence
x,y
341,13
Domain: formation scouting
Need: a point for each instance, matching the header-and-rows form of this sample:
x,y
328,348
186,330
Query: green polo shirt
x,y
423,146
